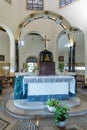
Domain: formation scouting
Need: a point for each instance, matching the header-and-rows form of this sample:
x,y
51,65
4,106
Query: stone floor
x,y
23,109
71,126
78,115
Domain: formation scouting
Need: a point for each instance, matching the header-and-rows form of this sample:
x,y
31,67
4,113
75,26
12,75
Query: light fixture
x,y
21,43
5,67
69,44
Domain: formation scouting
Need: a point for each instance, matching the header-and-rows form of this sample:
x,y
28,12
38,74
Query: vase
x,y
61,124
51,109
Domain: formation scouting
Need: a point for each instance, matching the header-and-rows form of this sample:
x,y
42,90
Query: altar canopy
x,y
42,88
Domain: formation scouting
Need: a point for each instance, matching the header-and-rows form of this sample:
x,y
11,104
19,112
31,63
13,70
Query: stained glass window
x,y
65,2
35,4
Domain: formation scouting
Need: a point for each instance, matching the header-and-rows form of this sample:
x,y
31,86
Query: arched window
x,y
32,64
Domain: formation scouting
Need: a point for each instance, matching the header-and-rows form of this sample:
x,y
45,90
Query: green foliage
x,y
61,66
35,68
26,66
53,102
61,113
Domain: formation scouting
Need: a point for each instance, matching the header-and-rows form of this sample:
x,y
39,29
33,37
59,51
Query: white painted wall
x,y
33,45
5,46
74,13
79,49
12,15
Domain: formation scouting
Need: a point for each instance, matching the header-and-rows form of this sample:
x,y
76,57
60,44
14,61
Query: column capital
x,y
16,41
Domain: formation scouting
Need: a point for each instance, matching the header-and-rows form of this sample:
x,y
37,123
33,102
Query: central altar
x,y
32,89
43,88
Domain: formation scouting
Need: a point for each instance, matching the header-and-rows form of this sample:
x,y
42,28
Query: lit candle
x,y
37,123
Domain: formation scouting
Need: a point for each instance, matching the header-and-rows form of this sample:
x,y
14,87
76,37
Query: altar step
x,y
24,104
25,109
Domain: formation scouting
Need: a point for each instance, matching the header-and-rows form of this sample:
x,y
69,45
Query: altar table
x,y
42,88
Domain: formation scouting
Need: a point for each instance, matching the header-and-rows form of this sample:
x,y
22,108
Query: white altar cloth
x,y
47,88
49,85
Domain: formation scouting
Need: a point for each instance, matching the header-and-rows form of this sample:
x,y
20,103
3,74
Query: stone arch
x,y
37,32
32,59
51,16
60,20
12,51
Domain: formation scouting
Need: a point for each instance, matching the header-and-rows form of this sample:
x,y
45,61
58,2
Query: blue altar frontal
x,y
42,88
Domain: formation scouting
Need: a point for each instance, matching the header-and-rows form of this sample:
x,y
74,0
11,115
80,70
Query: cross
x,y
45,39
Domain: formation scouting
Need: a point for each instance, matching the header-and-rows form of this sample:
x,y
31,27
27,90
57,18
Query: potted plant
x,y
52,103
61,66
61,115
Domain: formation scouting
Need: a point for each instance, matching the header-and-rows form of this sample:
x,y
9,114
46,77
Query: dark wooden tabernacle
x,y
46,64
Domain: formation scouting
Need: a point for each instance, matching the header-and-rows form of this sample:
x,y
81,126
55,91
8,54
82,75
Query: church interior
x,y
42,57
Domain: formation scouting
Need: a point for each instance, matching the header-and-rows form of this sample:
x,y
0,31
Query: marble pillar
x,y
69,59
17,55
73,58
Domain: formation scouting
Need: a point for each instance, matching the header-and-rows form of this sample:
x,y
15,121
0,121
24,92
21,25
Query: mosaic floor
x,y
3,123
7,122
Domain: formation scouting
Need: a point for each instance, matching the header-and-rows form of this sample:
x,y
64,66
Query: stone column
x,y
17,56
73,58
69,59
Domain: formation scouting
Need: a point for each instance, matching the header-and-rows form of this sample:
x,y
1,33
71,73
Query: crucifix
x,y
45,40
